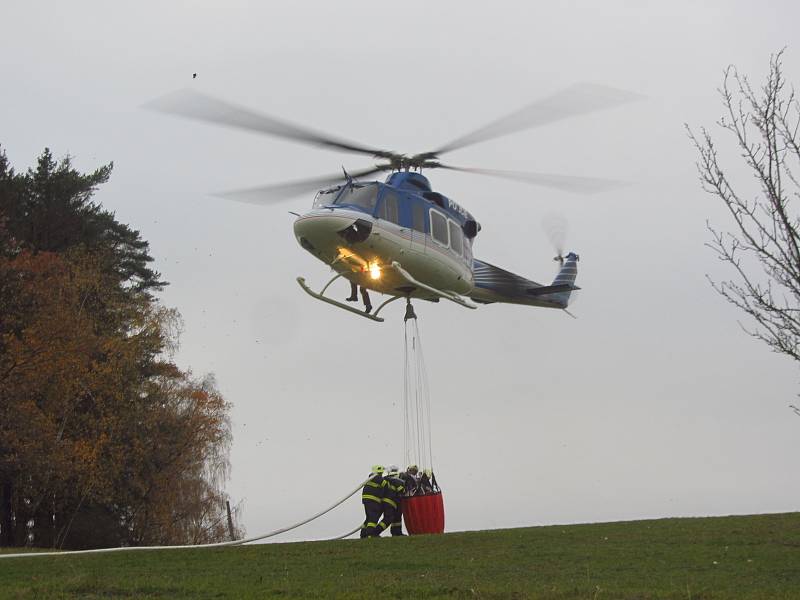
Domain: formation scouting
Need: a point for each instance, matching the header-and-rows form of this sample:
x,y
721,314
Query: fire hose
x,y
211,545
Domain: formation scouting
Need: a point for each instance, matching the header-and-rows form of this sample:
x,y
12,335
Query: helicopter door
x,y
393,220
418,226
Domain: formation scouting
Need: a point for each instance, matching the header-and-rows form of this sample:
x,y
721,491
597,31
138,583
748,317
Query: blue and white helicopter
x,y
399,237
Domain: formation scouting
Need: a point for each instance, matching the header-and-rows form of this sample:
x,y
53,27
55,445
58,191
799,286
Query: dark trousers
x,y
392,518
372,511
397,524
364,295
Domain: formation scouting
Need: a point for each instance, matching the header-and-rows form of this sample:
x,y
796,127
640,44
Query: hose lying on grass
x,y
213,545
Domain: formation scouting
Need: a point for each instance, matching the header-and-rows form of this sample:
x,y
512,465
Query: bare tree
x,y
762,245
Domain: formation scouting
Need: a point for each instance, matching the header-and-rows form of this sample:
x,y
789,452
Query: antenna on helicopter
x,y
347,176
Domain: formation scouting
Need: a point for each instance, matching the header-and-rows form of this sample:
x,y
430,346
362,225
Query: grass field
x,y
754,557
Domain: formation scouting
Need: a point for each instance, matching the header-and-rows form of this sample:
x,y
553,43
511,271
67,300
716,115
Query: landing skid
x,y
321,296
374,316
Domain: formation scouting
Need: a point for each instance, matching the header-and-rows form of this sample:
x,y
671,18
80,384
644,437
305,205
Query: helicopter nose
x,y
324,232
314,226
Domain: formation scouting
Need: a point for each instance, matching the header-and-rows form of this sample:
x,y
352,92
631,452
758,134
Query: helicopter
x,y
400,237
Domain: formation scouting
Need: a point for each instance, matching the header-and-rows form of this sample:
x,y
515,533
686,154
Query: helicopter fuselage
x,y
361,229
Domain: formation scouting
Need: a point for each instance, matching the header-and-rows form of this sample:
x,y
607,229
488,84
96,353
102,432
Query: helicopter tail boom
x,y
493,284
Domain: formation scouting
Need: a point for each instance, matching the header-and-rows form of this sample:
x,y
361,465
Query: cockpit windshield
x,y
362,196
326,197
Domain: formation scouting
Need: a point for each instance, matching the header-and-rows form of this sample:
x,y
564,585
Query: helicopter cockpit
x,y
363,197
326,197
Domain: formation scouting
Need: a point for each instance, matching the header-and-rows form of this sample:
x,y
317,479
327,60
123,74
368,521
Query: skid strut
x,y
440,293
321,296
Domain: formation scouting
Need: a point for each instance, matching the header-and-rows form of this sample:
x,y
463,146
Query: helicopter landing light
x,y
374,271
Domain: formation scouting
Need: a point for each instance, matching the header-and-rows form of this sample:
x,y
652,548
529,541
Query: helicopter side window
x,y
439,228
418,217
389,208
364,197
456,238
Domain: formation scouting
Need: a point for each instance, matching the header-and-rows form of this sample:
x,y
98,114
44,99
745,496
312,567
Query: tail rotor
x,y
555,227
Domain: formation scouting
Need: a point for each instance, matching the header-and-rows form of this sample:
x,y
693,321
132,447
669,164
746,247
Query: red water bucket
x,y
424,514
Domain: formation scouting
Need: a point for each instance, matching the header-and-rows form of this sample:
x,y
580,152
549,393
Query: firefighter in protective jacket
x,y
372,499
410,478
392,508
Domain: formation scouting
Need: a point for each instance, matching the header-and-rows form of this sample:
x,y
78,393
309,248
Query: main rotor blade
x,y
576,100
569,183
273,193
194,105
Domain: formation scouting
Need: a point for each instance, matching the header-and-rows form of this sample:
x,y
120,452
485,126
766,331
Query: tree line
x,y
104,441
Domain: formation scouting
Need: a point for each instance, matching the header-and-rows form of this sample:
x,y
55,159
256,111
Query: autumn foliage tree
x,y
103,440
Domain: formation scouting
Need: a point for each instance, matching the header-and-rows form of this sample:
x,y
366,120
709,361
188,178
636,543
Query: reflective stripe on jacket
x,y
395,488
374,489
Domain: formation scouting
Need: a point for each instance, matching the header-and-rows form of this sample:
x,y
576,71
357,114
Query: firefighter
x,y
392,508
410,479
425,482
372,499
364,296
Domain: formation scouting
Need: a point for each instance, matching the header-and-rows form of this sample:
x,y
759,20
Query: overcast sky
x,y
653,403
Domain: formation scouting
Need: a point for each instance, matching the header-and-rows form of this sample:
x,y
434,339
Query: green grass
x,y
752,557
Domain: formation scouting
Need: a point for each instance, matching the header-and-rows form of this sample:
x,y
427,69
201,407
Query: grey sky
x,y
653,403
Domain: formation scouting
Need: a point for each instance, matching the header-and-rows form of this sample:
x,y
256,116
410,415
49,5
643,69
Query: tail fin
x,y
566,276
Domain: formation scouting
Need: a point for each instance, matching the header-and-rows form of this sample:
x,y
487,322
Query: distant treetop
x,y
50,209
